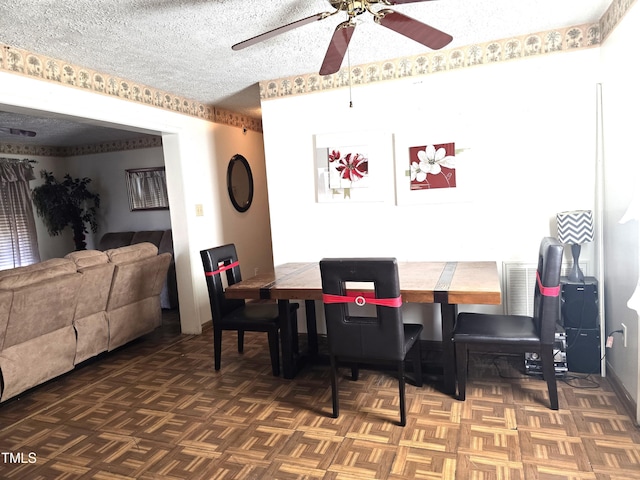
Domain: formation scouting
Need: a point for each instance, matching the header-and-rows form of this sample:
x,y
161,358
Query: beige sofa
x,y
60,312
163,239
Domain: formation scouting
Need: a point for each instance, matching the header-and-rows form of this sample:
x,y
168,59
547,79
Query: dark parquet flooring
x,y
156,409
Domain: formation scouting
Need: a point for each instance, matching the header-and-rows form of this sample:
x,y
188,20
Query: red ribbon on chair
x,y
547,291
222,268
362,298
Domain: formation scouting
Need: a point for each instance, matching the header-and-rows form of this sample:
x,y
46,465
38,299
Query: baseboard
x,y
628,403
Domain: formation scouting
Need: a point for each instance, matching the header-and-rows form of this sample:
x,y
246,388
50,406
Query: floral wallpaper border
x,y
529,45
29,64
23,62
51,151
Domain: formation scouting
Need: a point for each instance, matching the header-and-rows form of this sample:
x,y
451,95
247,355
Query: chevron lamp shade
x,y
575,227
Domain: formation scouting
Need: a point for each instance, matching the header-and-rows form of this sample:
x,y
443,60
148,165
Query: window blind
x,y
18,239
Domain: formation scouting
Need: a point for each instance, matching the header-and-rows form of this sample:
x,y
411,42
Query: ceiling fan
x,y
398,22
17,131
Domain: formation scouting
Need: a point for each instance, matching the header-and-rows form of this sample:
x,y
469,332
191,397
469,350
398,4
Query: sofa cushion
x,y
94,289
132,253
88,258
38,272
41,308
37,360
135,281
122,330
92,334
5,306
163,239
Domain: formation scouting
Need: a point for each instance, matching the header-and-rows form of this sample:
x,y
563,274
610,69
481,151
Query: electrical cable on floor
x,y
566,378
500,374
587,378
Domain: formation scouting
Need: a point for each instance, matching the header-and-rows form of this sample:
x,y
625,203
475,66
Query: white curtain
x,y
149,189
18,239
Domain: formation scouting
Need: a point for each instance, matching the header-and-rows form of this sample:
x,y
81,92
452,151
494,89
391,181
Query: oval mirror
x,y
240,183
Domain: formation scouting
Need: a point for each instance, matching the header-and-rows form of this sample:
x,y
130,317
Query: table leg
x,y
286,339
449,313
312,328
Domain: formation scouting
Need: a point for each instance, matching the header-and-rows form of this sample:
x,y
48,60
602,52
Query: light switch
x,y
199,210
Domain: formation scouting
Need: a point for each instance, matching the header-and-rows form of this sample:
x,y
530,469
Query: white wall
x,y
189,150
250,231
106,171
621,99
530,129
107,174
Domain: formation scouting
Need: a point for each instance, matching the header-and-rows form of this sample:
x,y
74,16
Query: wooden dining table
x,y
447,283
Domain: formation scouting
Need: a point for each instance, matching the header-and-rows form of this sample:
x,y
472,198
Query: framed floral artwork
x,y
429,172
432,166
349,167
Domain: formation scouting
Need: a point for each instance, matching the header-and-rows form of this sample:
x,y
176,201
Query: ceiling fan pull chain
x,y
349,67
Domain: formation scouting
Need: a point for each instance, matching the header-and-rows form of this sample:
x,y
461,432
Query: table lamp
x,y
575,228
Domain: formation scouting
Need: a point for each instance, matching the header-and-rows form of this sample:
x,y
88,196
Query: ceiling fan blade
x,y
277,31
337,48
413,29
17,131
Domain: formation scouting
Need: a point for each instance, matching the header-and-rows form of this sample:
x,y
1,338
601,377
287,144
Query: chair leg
x,y
549,373
461,369
334,387
355,372
240,341
417,363
274,351
294,332
217,347
401,389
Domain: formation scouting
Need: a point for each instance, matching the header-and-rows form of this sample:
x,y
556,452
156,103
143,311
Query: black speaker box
x,y
583,350
580,305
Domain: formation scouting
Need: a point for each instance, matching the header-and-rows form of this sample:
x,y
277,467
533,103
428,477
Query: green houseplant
x,y
67,203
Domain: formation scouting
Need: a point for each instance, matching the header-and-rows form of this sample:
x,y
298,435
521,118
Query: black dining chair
x,y
234,314
487,333
366,327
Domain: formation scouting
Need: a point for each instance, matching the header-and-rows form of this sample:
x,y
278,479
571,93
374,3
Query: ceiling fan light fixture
x,y
352,7
398,22
23,133
17,131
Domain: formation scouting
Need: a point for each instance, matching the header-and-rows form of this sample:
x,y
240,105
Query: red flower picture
x,y
347,168
432,166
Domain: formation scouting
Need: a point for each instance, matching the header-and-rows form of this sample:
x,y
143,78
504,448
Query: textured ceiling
x,y
184,46
54,131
